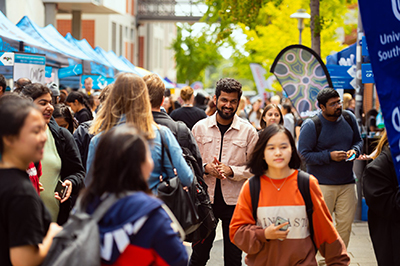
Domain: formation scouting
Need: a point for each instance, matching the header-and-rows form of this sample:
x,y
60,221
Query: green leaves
x,y
194,53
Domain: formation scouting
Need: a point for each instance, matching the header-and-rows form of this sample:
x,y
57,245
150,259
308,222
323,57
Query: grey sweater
x,y
334,136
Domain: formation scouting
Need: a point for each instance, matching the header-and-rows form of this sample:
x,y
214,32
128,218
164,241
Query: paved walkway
x,y
360,247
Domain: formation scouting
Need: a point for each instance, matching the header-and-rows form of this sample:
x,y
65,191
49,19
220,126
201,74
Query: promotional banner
x,y
70,71
302,75
367,76
262,83
381,22
31,66
343,77
6,59
99,82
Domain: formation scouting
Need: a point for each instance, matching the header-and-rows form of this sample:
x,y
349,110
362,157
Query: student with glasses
x,y
329,149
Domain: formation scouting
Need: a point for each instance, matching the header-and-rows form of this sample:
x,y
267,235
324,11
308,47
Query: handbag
x,y
201,200
176,196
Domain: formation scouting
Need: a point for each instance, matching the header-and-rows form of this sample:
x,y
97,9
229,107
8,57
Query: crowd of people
x,y
94,144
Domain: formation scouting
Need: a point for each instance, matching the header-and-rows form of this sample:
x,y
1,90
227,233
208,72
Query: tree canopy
x,y
268,29
194,53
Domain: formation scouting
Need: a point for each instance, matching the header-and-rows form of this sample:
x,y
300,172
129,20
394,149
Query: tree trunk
x,y
315,27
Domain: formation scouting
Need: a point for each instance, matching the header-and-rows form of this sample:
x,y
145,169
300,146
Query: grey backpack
x,y
79,241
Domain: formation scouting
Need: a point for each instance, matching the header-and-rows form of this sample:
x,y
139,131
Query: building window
x,y
132,35
114,36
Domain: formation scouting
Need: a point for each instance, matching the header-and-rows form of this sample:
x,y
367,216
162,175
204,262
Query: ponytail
x,y
81,98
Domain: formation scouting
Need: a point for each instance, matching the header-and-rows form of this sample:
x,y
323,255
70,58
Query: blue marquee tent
x,y
143,72
85,47
13,39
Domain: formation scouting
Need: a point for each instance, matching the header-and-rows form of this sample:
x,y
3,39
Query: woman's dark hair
x,y
63,95
325,94
61,110
118,170
13,111
82,99
257,164
263,124
287,107
35,90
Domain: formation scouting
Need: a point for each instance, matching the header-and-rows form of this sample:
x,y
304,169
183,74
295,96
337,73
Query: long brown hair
x,y
383,141
118,170
263,124
129,96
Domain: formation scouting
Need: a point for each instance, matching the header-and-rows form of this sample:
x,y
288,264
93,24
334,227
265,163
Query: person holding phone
x,y
329,142
281,234
61,159
26,231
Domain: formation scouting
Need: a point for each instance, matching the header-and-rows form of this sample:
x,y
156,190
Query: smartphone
x,y
62,191
351,158
280,220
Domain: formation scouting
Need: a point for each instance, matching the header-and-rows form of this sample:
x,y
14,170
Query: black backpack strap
x,y
254,183
347,117
318,125
181,132
303,181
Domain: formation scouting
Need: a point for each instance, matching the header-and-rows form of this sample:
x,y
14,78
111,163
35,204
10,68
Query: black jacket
x,y
382,195
83,115
71,165
181,132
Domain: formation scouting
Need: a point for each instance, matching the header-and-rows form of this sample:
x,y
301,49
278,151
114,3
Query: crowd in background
x,y
95,143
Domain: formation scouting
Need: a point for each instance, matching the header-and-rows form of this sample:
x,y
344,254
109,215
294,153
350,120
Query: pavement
x,y
360,247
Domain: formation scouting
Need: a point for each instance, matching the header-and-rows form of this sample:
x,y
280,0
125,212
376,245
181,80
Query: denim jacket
x,y
184,172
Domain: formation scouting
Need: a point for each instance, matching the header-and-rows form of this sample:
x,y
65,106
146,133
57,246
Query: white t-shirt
x,y
288,122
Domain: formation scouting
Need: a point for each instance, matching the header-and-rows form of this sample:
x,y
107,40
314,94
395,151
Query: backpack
x,y
82,138
79,241
318,124
303,181
199,194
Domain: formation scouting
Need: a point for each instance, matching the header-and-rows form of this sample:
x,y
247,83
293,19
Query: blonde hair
x,y
129,97
156,88
383,141
346,100
242,104
105,92
186,93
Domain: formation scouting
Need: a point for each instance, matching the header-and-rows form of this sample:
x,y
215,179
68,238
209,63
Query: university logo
x,y
396,8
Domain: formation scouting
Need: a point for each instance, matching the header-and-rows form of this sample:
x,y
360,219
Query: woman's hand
x,y
69,191
364,157
273,232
